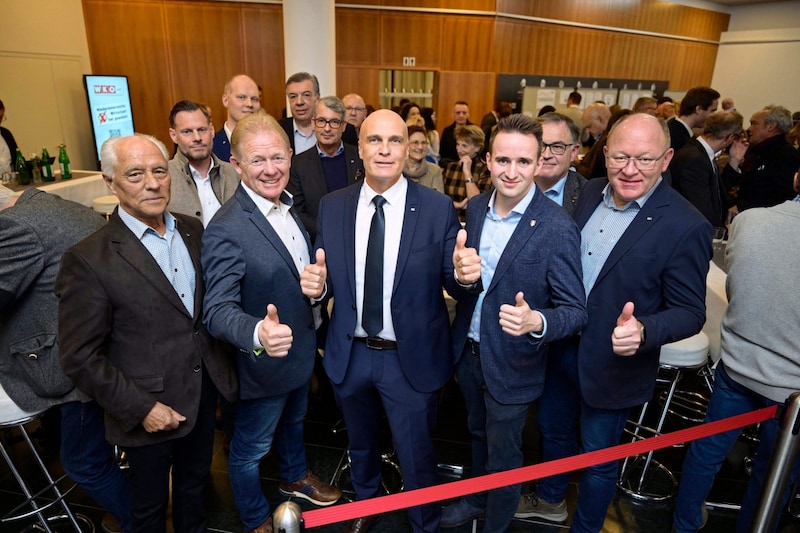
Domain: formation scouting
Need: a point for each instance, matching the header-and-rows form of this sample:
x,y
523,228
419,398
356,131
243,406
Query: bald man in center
x,y
384,252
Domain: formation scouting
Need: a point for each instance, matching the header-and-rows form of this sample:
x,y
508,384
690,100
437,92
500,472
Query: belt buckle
x,y
376,346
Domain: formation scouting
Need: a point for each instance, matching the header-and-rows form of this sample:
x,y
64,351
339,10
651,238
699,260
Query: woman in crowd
x,y
417,168
429,115
467,177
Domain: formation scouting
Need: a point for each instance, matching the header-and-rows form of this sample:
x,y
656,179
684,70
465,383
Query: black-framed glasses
x,y
322,122
557,148
641,163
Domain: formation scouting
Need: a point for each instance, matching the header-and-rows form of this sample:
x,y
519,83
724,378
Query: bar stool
x,y
12,417
105,205
637,477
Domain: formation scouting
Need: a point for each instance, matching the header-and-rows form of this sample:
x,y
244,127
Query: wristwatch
x,y
468,180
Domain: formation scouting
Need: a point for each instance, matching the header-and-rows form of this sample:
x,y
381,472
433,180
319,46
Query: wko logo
x,y
105,89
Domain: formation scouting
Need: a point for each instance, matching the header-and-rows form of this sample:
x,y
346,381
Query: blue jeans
x,y
88,459
705,456
496,431
259,422
559,408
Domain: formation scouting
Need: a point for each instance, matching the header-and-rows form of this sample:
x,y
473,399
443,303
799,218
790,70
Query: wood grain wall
x,y
174,49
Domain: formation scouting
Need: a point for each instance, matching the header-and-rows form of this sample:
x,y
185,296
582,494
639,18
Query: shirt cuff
x,y
257,348
542,333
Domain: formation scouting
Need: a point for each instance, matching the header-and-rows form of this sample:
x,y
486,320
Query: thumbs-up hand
x,y
466,261
519,319
627,336
312,278
276,338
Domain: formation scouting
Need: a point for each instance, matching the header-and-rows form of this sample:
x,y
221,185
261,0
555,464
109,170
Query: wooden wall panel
x,y
414,34
358,37
129,37
262,46
481,5
645,15
468,43
477,88
363,81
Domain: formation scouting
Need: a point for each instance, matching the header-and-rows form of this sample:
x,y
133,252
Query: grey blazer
x,y
33,235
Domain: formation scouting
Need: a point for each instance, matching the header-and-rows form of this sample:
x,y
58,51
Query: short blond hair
x,y
258,122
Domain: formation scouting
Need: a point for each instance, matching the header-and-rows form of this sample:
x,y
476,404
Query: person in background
x,y
696,105
519,272
240,97
556,177
595,379
595,120
546,109
417,168
429,115
760,364
666,108
593,164
35,230
356,110
727,104
201,181
252,257
8,145
389,339
132,338
646,104
447,147
501,110
573,109
410,112
467,177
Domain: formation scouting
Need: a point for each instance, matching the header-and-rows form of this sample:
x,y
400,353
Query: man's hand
x,y
466,261
737,151
162,418
520,319
312,279
627,336
276,338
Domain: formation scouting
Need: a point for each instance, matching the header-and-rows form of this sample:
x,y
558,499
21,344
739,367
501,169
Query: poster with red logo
x,y
109,107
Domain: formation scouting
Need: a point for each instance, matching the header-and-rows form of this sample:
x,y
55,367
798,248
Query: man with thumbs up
x,y
645,253
253,252
519,270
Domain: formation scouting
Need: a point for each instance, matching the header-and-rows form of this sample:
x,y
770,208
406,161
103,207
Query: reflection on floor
x,y
325,451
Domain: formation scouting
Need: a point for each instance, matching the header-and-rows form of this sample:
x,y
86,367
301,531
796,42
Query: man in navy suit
x,y
399,353
241,97
645,252
521,293
253,253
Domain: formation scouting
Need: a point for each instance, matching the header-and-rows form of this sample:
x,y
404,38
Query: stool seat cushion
x,y
105,204
689,352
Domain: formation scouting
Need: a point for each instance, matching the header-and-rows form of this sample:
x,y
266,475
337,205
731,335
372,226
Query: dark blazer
x,y
678,134
349,136
767,177
543,260
660,264
126,338
695,177
8,137
572,190
247,267
222,146
307,183
33,235
424,267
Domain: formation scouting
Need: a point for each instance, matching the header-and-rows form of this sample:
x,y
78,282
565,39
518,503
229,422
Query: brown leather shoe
x,y
110,524
266,527
362,525
312,489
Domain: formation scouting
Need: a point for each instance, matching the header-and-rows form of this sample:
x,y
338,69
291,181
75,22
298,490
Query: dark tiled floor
x,y
325,449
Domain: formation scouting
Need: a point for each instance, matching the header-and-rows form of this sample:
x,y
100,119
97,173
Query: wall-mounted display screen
x,y
109,107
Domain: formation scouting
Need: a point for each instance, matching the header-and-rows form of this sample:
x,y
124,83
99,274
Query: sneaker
x,y
531,506
460,512
312,489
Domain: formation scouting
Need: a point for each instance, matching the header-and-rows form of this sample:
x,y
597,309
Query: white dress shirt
x,y
209,204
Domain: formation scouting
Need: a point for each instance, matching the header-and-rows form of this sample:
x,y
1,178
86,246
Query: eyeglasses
x,y
322,122
557,148
356,109
641,163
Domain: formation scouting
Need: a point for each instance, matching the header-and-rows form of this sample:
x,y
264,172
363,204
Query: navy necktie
x,y
372,311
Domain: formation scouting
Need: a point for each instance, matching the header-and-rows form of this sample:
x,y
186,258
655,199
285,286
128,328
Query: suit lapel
x,y
135,254
410,219
193,245
350,206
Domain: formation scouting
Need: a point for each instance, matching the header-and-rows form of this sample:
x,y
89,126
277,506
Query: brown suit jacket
x,y
126,339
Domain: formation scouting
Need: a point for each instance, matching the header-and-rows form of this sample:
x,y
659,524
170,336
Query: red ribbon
x,y
445,491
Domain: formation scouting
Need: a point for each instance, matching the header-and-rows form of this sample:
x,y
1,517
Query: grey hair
x,y
333,103
108,152
780,116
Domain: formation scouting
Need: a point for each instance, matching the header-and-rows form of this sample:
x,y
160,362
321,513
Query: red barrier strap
x,y
445,491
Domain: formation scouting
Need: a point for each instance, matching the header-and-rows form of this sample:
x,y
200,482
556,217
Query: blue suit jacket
x,y
246,267
542,259
660,264
424,267
222,146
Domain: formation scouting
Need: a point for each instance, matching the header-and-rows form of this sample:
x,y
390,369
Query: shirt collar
x,y
558,188
139,228
519,208
338,151
394,194
265,205
608,199
709,150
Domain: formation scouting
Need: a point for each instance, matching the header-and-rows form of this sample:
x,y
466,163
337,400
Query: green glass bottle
x,y
23,175
63,161
47,168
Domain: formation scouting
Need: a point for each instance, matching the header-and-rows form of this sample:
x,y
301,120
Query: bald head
x,y
383,146
355,109
595,119
240,98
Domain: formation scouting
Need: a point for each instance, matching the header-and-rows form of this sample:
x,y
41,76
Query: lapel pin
x,y
533,223
413,209
650,218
